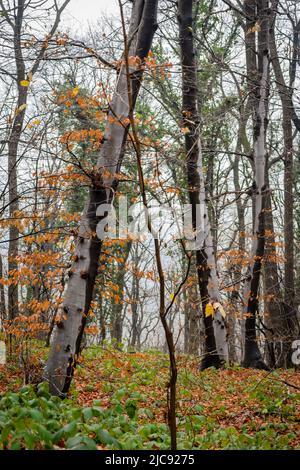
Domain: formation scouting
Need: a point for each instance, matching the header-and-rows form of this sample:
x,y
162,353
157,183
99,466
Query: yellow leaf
x,y
36,122
29,76
255,29
185,130
209,310
24,82
220,308
75,91
20,109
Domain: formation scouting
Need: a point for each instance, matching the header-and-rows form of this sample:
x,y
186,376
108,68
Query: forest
x,y
149,225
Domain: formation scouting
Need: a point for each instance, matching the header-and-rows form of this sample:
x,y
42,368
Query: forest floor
x,y
118,401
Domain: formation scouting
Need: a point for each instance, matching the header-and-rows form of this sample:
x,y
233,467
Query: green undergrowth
x,y
119,402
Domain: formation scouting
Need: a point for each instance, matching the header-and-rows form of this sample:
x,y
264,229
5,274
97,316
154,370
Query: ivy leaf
x,y
131,408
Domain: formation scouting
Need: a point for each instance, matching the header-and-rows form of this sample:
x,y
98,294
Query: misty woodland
x,y
150,225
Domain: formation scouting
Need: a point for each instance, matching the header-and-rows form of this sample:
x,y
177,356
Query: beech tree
x,y
79,290
285,321
258,82
215,330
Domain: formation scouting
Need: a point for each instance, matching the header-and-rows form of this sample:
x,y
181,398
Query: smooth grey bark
x,y
219,326
274,306
13,144
135,340
117,307
259,89
191,320
79,289
2,296
136,333
237,270
285,323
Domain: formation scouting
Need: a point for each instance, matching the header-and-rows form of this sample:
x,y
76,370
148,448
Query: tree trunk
x,y
237,269
117,307
274,306
135,339
2,296
79,290
259,90
286,325
216,349
194,321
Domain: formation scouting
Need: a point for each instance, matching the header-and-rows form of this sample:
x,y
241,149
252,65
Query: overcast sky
x,y
83,12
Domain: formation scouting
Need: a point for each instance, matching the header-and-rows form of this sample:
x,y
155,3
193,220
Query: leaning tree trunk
x,y
216,348
259,91
79,291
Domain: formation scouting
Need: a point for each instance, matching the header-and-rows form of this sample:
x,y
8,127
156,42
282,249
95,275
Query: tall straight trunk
x,y
134,297
194,322
117,307
208,275
79,290
286,327
216,348
2,296
13,145
101,320
237,269
242,144
191,317
135,318
259,91
274,307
